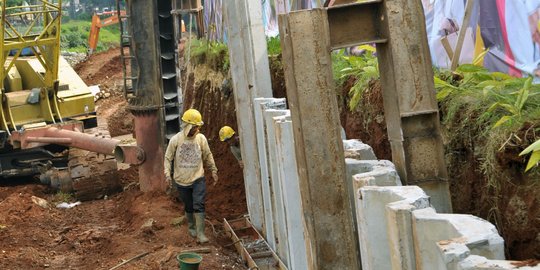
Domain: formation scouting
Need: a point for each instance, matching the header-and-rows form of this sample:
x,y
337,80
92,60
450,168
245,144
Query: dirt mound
x,y
101,68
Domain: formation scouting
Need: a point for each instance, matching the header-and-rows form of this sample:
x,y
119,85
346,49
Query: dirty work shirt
x,y
188,155
236,152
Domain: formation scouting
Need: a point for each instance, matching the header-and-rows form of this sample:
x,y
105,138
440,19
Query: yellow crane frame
x,y
44,41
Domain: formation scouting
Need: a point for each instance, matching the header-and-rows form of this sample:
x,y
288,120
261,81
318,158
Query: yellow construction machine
x,y
48,123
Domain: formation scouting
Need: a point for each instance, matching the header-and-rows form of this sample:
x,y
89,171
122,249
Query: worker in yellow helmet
x,y
188,153
227,134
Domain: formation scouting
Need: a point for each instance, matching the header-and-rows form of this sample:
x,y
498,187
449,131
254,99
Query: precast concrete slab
x,y
399,226
474,262
355,149
373,224
372,173
432,232
288,178
278,208
259,105
377,173
250,74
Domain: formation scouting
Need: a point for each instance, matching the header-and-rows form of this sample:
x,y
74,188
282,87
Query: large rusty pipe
x,y
62,141
131,154
84,141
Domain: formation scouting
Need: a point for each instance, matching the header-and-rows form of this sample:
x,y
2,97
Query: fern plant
x,y
534,149
364,68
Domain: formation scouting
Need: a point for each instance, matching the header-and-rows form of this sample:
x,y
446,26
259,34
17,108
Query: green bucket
x,y
189,261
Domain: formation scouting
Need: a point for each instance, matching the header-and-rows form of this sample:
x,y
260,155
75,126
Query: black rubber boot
x,y
191,225
199,220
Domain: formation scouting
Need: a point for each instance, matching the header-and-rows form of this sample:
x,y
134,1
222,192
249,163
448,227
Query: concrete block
x,y
441,240
373,224
258,108
355,149
380,172
474,262
288,178
372,173
278,208
399,226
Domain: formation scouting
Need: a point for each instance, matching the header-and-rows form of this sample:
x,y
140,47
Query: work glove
x,y
215,177
169,185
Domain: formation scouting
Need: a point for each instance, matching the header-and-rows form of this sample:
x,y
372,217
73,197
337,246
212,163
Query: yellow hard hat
x,y
193,117
225,133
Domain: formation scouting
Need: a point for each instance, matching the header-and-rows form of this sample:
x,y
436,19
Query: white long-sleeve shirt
x,y
190,156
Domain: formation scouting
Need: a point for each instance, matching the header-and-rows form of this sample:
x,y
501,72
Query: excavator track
x,y
93,175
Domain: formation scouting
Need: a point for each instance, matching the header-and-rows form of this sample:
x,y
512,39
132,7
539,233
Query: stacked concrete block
x,y
381,172
374,224
355,149
372,173
259,105
443,241
474,262
288,177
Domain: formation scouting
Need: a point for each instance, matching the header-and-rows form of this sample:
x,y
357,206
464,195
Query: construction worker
x,y
188,152
227,134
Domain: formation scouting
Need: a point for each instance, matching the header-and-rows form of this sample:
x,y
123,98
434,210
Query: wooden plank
x,y
267,258
462,32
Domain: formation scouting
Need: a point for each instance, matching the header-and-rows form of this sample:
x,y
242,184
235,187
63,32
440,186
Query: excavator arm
x,y
97,24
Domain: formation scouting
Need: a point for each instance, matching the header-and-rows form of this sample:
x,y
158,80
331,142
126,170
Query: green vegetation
x,y
74,36
213,53
500,111
274,46
490,110
62,197
363,69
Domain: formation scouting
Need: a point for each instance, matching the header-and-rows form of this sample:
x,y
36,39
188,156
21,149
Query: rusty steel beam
x,y
410,106
355,24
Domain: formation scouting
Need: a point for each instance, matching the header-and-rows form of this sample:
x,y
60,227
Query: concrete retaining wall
x,y
397,226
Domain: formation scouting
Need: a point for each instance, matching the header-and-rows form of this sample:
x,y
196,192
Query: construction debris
x,y
41,202
251,246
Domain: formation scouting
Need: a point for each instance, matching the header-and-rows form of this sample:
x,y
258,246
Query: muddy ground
x,y
103,233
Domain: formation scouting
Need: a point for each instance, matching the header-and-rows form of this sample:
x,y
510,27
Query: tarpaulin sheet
x,y
509,29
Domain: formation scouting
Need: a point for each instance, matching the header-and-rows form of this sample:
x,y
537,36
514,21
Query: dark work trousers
x,y
193,196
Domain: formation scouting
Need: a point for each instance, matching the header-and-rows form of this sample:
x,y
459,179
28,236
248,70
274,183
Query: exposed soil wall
x,y
207,92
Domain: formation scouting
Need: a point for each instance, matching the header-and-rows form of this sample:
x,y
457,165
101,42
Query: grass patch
x,y
60,197
215,54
